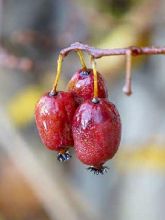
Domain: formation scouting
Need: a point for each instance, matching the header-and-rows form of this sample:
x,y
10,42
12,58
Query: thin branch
x,y
128,52
127,89
98,53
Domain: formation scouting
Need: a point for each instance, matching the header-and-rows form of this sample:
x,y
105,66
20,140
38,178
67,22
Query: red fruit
x,y
97,133
81,84
54,114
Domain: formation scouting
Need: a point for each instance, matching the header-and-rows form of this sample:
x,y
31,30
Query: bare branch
x,y
128,52
127,89
98,53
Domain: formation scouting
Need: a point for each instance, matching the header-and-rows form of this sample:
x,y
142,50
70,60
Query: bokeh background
x,y
33,185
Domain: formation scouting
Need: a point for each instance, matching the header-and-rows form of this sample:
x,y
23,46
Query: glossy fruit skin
x,y
81,84
96,132
54,114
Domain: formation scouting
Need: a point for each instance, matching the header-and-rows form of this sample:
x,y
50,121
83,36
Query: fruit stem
x,y
58,72
95,93
128,77
82,60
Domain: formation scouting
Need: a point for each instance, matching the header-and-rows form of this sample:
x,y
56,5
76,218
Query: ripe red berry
x,y
54,114
81,84
96,132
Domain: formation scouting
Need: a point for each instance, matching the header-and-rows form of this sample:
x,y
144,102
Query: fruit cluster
x,y
82,118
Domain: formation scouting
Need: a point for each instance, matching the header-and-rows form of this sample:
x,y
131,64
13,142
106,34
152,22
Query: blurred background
x,y
33,185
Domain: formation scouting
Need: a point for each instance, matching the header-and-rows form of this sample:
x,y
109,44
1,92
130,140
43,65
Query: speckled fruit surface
x,y
54,116
96,132
81,84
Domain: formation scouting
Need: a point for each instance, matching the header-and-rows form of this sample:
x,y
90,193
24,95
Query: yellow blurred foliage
x,y
21,107
132,31
123,36
150,156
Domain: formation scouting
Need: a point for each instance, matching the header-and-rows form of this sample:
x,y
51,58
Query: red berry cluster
x,y
81,117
